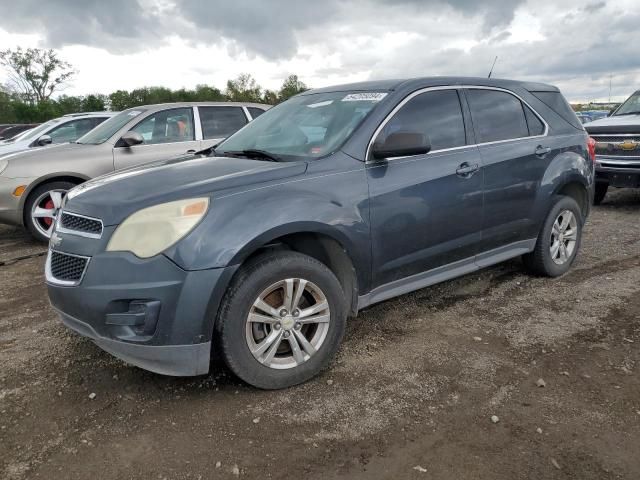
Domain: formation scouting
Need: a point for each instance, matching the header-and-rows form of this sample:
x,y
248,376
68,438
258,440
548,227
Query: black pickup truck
x,y
617,147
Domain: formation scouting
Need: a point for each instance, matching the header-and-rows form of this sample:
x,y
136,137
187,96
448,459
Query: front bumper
x,y
618,172
10,205
147,312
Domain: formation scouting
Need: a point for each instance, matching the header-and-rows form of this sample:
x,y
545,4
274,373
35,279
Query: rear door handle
x,y
191,151
542,151
466,170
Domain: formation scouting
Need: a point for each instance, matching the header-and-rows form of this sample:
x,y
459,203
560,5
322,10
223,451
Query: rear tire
x,y
557,244
46,198
601,192
245,325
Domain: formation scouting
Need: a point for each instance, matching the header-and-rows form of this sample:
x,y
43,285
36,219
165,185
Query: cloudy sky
x,y
123,44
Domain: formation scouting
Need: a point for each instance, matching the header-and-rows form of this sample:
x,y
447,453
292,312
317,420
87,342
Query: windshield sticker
x,y
364,97
320,104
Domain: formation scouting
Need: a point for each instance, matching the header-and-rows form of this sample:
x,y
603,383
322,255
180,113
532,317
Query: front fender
x,y
49,177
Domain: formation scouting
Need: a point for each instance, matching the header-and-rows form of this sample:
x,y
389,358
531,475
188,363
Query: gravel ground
x,y
411,394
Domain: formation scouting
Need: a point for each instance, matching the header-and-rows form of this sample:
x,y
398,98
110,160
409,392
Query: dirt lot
x,y
411,394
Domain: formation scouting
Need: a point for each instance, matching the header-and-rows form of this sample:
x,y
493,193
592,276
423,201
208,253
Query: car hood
x,y
615,124
115,196
11,147
22,161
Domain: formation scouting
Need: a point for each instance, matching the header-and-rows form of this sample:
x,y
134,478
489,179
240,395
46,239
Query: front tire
x,y
559,240
42,206
281,321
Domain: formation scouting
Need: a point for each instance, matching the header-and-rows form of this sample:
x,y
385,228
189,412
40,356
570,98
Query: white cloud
x,y
574,44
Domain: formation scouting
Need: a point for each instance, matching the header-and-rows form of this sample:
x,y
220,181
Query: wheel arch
x,y
317,241
73,177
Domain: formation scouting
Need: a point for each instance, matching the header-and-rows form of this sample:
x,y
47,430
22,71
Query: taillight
x,y
591,146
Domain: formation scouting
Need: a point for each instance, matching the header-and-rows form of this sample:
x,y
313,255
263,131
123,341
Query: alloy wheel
x,y
564,235
287,323
45,211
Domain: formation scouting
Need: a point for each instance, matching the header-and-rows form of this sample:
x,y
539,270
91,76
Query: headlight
x,y
3,165
151,230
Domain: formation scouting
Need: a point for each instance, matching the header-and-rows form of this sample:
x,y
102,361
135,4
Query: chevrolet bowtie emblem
x,y
628,145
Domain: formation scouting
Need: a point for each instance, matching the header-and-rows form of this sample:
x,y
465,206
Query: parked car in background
x,y
59,130
10,131
584,117
617,147
332,201
33,183
597,114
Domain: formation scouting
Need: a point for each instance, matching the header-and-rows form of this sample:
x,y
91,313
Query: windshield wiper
x,y
637,112
254,153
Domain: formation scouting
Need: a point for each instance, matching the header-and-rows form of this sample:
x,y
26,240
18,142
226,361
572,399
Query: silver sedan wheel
x,y
287,323
45,211
564,235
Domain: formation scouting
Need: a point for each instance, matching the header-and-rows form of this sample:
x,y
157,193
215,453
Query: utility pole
x,y
610,75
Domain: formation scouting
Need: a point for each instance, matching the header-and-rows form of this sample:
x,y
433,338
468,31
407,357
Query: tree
x,y
290,87
243,89
94,103
35,73
270,97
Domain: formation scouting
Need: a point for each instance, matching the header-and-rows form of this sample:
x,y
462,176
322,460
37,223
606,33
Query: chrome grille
x,y
64,268
623,146
80,225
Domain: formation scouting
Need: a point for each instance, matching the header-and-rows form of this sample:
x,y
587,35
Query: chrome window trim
x,y
63,283
79,233
456,87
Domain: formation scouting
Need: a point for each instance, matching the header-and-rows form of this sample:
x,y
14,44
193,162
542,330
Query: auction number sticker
x,y
364,97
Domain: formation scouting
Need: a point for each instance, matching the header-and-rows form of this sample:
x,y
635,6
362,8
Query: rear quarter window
x,y
556,102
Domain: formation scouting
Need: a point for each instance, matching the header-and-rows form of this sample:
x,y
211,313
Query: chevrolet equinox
x,y
261,247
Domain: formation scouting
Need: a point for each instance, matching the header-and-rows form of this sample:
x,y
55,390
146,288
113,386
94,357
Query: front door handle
x,y
466,170
191,151
542,151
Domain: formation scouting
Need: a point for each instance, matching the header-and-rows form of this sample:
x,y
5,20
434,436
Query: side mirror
x,y
45,140
132,138
402,144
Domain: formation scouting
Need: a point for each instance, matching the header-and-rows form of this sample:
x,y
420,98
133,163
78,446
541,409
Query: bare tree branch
x,y
36,73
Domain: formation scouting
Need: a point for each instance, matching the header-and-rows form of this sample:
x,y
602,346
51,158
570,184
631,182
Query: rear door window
x,y
255,111
220,122
497,115
536,127
436,114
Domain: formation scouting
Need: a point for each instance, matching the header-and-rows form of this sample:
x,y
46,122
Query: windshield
x,y
34,132
631,105
305,126
108,128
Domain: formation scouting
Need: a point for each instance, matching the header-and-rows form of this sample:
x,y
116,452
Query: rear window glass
x,y
220,122
556,102
497,115
536,127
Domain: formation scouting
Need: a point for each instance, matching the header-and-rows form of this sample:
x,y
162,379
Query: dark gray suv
x,y
332,201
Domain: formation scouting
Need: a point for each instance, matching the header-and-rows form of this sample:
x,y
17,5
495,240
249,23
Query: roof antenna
x,y
494,64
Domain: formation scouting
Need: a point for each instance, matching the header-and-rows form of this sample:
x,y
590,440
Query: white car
x,y
59,130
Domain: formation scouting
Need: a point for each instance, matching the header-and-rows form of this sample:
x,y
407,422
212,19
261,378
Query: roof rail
x,y
79,114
